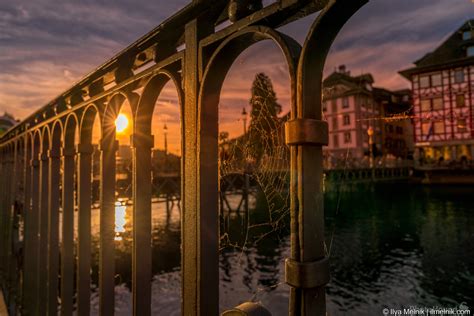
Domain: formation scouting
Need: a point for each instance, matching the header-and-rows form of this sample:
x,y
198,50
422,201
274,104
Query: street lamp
x,y
244,119
165,133
370,133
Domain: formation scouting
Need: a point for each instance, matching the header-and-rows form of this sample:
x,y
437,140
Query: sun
x,y
121,123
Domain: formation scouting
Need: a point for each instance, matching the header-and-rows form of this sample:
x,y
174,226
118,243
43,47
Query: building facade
x,y
397,132
443,98
355,111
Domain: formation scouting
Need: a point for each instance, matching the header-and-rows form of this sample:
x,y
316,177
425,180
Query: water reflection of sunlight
x,y
120,220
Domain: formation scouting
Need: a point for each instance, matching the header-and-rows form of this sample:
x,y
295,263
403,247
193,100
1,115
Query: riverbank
x,y
443,176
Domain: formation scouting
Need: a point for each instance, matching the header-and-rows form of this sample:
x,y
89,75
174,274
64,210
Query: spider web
x,y
254,179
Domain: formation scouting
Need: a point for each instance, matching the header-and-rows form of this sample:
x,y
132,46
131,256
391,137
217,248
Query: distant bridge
x,y
42,162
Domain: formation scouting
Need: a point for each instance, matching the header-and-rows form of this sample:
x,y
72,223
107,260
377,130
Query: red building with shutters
x,y
443,99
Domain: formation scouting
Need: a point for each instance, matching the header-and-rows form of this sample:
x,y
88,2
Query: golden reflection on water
x,y
120,220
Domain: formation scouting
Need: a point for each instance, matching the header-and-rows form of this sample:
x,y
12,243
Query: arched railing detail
x,y
84,185
49,158
308,258
68,155
142,144
216,69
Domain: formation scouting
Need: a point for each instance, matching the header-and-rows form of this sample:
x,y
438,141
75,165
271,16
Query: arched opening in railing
x,y
43,197
254,173
213,79
157,186
54,200
69,214
88,189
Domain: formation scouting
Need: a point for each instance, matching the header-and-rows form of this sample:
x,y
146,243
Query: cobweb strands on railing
x,y
255,167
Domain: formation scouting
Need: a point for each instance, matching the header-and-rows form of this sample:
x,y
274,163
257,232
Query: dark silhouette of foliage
x,y
264,121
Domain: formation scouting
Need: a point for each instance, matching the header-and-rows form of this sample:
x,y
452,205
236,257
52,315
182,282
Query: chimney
x,y
342,69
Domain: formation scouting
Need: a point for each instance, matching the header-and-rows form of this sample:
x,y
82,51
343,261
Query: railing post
x,y
67,245
42,259
84,151
53,234
31,253
307,271
19,219
11,192
200,286
26,213
108,149
3,218
142,261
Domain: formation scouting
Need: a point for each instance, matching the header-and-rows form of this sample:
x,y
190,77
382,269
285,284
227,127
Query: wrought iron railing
x,y
187,50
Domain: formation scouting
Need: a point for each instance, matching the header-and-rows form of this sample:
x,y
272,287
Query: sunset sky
x,y
47,45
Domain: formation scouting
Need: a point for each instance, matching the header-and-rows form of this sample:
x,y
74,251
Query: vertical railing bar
x,y
53,224
11,269
107,223
2,217
188,174
21,189
31,262
43,230
142,261
84,151
26,274
67,245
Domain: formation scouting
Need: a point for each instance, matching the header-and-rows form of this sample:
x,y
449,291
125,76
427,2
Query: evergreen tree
x,y
264,122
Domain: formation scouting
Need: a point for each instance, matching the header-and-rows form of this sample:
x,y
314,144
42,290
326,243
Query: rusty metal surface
x,y
247,309
307,274
306,131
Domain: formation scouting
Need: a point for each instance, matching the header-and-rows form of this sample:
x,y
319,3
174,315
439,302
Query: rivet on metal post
x,y
247,309
306,132
307,274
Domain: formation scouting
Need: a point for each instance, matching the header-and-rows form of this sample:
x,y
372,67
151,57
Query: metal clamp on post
x,y
307,274
247,309
303,131
146,141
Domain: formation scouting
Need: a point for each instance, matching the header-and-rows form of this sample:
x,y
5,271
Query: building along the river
x,y
397,131
354,108
442,85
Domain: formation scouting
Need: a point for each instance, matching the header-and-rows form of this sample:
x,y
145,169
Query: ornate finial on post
x,y
239,9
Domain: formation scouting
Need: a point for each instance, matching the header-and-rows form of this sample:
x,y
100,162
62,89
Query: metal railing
x,y
32,153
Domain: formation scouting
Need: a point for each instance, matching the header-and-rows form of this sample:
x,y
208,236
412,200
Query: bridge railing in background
x,y
41,152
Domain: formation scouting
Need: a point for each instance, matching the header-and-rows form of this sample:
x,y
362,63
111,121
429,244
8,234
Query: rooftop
x,y
455,50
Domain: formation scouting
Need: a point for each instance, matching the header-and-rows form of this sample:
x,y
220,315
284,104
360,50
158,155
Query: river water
x,y
390,245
